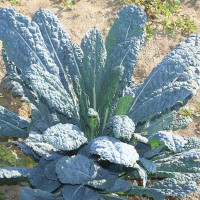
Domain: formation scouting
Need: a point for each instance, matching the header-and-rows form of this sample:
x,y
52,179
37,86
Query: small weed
x,y
69,3
198,104
188,112
2,195
10,158
164,15
1,95
184,25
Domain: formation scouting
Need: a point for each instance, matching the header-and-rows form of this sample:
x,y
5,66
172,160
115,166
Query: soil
x,y
85,15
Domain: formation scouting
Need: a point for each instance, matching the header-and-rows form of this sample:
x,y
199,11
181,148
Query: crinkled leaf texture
x,y
64,137
14,172
77,192
37,70
11,80
174,142
165,188
124,41
12,125
35,194
29,152
171,84
115,151
120,127
192,143
50,90
36,143
183,166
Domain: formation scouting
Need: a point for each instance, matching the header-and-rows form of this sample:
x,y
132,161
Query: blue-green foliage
x,y
82,128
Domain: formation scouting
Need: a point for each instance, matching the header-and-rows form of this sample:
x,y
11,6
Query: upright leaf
x,y
51,92
93,66
23,42
123,105
123,43
120,127
158,124
66,55
171,84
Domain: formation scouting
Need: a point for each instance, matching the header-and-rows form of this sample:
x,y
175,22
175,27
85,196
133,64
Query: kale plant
x,y
92,129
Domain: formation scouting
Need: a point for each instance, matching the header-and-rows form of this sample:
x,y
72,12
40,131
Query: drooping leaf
x,y
78,192
12,125
182,166
64,137
153,152
36,143
35,194
80,167
140,173
174,142
149,165
101,184
180,122
14,172
165,188
38,179
171,84
50,170
115,151
27,150
123,105
119,185
192,143
112,197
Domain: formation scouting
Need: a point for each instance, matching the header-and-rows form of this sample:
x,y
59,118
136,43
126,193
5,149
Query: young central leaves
x,y
93,70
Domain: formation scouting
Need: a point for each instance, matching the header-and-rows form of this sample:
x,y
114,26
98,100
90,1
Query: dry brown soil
x,y
85,15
